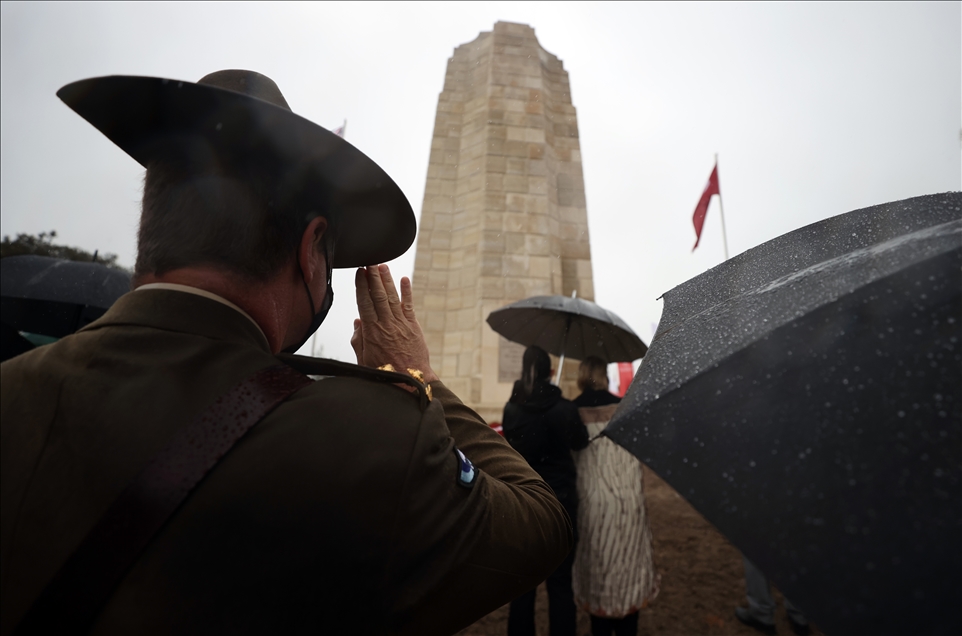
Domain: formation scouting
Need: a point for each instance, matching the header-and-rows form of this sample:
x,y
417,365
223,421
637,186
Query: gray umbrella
x,y
572,327
806,397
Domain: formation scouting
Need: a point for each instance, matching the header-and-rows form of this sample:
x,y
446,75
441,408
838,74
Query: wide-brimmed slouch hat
x,y
239,121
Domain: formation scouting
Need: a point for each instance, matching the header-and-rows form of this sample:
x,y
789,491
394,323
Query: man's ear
x,y
311,251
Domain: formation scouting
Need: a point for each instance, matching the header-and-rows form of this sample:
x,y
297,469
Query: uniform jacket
x,y
339,513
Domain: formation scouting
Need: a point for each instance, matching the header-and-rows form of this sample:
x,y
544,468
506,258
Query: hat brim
x,y
151,117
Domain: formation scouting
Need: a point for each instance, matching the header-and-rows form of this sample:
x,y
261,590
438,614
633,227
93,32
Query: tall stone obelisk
x,y
504,214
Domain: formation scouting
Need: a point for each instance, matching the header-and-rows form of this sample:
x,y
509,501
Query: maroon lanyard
x,y
74,598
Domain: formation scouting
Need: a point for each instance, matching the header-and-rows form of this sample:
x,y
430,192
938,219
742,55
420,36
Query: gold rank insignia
x,y
417,374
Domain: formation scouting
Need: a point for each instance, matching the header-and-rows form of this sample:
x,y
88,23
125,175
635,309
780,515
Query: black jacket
x,y
591,397
544,429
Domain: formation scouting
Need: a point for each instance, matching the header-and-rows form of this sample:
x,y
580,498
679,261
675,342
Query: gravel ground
x,y
702,580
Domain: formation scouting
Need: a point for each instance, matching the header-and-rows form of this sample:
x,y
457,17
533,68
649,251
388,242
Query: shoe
x,y
742,614
800,629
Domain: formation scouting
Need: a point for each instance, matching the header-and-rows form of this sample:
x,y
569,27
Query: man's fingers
x,y
391,290
407,299
378,295
365,306
357,341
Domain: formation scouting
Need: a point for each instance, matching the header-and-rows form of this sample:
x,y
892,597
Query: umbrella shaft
x,y
564,343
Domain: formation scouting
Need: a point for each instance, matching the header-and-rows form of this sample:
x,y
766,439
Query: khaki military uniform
x,y
339,513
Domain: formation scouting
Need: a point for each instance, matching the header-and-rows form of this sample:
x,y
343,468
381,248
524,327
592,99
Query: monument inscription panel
x,y
510,355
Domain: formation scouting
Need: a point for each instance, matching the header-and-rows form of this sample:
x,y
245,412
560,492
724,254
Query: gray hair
x,y
218,219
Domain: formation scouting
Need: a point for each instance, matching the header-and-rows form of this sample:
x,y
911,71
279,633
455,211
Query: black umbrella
x,y
806,398
56,297
12,343
572,327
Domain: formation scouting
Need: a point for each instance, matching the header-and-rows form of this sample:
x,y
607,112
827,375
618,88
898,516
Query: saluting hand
x,y
387,331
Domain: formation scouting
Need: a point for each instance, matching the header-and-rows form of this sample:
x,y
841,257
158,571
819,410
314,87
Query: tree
x,y
43,245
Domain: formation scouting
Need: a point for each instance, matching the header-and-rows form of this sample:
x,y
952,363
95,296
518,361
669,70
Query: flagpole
x,y
722,208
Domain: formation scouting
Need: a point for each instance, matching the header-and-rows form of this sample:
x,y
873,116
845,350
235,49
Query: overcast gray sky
x,y
815,109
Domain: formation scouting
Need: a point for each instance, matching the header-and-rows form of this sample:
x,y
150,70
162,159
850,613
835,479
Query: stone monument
x,y
504,214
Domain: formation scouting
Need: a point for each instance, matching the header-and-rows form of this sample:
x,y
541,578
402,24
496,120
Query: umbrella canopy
x,y
806,397
56,297
571,327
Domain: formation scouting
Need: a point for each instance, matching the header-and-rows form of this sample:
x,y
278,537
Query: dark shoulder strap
x,y
74,598
323,366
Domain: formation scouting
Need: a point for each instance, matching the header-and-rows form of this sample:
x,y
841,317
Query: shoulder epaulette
x,y
324,366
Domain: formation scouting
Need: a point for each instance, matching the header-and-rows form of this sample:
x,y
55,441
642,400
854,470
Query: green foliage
x,y
43,245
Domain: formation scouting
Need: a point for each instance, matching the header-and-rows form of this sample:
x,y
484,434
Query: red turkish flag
x,y
702,208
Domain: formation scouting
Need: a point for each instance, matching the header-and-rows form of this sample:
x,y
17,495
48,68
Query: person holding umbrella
x,y
544,427
580,329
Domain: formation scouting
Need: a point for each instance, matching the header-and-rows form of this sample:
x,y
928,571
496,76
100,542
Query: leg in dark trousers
x,y
561,599
627,626
521,615
601,626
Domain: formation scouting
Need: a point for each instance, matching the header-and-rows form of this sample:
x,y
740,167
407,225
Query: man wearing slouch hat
x,y
167,469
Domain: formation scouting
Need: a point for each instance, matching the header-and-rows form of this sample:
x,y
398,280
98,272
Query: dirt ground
x,y
702,580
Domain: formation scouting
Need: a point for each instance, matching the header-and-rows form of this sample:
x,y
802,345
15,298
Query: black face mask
x,y
325,307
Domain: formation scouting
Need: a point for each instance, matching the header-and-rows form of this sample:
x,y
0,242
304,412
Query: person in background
x,y
593,382
544,428
760,613
613,575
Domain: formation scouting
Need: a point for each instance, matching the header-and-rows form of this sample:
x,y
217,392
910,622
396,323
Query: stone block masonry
x,y
504,214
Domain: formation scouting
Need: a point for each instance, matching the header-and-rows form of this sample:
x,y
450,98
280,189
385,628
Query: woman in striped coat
x,y
613,574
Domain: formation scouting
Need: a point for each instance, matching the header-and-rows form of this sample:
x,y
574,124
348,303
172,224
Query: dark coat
x,y
545,428
339,513
593,397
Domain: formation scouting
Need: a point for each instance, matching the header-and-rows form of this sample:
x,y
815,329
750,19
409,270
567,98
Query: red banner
x,y
625,375
702,208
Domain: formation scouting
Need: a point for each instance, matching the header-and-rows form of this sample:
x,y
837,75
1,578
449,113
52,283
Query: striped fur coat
x,y
613,570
